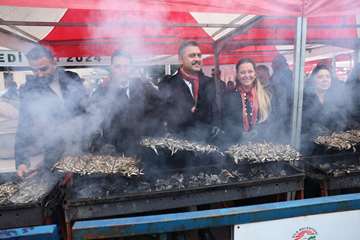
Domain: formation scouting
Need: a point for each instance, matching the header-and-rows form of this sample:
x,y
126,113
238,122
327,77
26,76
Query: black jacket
x,y
320,118
353,105
232,116
282,87
233,121
177,103
42,116
127,113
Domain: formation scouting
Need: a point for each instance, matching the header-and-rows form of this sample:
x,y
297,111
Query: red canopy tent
x,y
260,7
146,27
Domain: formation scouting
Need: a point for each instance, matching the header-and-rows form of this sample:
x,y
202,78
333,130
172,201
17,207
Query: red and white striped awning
x,y
156,28
308,8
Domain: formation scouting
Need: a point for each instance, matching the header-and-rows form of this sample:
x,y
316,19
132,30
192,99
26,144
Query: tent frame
x,y
301,30
224,43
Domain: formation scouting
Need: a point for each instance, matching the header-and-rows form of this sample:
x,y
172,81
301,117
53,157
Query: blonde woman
x,y
248,105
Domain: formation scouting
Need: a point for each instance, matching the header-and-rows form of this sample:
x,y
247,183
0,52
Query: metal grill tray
x,y
165,160
31,213
319,149
89,198
339,171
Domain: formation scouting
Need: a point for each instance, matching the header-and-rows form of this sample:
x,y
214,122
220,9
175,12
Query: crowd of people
x,y
57,116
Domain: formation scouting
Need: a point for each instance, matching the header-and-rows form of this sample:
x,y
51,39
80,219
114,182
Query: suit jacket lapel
x,y
184,88
202,88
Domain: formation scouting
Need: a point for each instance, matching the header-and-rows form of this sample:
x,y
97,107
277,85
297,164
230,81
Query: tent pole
x,y
19,30
333,63
121,24
300,44
232,24
356,58
218,112
14,41
2,81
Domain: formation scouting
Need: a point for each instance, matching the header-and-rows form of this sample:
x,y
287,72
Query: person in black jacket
x,y
127,107
248,107
353,106
49,102
324,104
281,85
188,97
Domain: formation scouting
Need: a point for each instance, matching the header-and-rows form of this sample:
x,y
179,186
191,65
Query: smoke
x,y
48,124
136,32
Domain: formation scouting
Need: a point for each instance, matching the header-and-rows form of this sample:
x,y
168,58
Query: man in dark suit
x,y
51,103
188,97
282,89
127,106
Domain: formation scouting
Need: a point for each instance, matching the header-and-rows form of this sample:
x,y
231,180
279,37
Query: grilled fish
x,y
262,152
175,145
99,164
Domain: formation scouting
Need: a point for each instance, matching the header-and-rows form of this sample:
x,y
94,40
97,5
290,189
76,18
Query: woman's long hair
x,y
263,96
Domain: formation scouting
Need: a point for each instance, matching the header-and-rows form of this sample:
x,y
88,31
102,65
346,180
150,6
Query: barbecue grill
x,y
38,210
334,171
102,197
348,141
163,158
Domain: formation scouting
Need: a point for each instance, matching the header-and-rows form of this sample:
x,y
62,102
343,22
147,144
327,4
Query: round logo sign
x,y
306,233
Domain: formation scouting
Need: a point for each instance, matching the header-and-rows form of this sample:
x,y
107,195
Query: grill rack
x,y
340,170
40,212
92,207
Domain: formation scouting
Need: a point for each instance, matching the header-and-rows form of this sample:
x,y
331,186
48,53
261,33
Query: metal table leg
x,y
68,231
324,188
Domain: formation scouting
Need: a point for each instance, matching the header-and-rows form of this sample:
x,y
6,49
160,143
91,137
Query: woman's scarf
x,y
250,107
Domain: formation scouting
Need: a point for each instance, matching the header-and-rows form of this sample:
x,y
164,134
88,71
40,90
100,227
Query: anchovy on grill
x,y
6,191
28,190
175,145
262,152
340,141
99,164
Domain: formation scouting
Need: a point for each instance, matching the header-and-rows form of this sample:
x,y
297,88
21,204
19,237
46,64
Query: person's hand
x,y
22,170
95,141
215,132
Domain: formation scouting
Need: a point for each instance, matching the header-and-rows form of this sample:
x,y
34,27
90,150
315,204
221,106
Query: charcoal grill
x,y
325,150
165,160
334,171
33,213
92,198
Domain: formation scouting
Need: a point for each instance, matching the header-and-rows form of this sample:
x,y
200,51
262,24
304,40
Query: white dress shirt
x,y
189,84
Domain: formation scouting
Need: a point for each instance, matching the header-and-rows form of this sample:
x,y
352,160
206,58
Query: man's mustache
x,y
196,62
